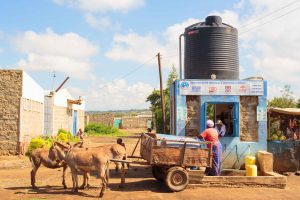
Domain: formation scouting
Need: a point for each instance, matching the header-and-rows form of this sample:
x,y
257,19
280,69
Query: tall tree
x,y
286,100
154,99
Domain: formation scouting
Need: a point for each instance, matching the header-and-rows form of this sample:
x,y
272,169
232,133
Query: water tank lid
x,y
210,21
213,20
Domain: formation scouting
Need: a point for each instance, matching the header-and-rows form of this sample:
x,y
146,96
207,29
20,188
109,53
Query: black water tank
x,y
211,47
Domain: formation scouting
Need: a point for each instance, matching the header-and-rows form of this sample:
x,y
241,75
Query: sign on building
x,y
224,87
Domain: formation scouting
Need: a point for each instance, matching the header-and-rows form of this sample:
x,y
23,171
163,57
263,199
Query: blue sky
x,y
96,43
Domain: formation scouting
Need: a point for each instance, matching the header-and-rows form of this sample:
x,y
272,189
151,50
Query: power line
x,y
269,14
137,68
132,71
269,21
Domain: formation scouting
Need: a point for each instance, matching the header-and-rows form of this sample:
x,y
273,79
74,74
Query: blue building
x,y
240,104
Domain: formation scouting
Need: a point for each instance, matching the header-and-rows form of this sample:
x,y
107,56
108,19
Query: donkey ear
x,y
69,146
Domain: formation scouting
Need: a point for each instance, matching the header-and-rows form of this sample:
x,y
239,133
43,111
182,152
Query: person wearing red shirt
x,y
211,135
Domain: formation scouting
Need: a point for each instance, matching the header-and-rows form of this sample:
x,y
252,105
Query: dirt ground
x,y
15,183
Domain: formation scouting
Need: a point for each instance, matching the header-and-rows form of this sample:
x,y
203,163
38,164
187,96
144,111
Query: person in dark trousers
x,y
210,134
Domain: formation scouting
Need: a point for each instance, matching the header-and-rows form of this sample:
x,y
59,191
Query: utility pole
x,y
161,95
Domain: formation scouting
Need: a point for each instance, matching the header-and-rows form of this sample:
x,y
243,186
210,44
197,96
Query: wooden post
x,y
161,94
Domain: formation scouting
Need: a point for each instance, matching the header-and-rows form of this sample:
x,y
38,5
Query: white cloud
x,y
275,46
1,50
135,47
49,51
139,48
102,5
101,23
117,94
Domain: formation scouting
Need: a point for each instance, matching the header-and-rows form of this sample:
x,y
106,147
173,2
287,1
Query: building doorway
x,y
75,122
227,113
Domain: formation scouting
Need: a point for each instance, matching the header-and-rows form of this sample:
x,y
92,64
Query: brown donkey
x,y
86,161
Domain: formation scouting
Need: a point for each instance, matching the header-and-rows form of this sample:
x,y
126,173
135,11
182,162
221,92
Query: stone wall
x,y
102,118
193,115
248,121
10,95
135,122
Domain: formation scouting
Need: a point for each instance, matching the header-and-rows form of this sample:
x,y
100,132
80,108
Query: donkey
x,y
50,160
86,161
113,151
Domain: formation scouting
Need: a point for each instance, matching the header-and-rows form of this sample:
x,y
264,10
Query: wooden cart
x,y
171,159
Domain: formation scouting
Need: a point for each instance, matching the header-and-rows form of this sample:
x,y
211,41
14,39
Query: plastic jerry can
x,y
249,160
251,170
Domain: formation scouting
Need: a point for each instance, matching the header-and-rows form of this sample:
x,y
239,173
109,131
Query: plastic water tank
x,y
211,47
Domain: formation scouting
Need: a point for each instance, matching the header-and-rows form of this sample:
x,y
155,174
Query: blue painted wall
x,y
234,150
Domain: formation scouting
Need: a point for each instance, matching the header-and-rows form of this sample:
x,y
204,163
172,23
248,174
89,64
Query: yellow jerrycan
x,y
251,170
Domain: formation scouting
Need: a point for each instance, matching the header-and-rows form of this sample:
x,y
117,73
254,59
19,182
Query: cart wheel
x,y
177,179
158,173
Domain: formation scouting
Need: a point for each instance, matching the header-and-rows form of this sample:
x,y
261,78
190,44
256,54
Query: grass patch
x,y
97,129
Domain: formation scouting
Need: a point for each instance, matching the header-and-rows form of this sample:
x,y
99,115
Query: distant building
x,y
140,121
62,111
21,110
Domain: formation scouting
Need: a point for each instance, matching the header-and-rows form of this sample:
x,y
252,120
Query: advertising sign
x,y
261,113
224,87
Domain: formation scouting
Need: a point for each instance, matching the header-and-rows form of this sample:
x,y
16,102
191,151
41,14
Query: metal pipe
x,y
180,60
62,84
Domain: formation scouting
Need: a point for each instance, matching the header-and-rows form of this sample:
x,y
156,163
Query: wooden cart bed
x,y
175,153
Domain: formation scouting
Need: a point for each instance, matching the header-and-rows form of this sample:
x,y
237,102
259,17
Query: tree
x,y
154,99
298,103
286,100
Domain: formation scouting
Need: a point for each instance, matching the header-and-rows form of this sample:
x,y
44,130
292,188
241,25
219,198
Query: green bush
x,y
101,129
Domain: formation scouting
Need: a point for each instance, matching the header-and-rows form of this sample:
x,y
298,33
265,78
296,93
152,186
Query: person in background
x,y
120,142
80,134
210,134
221,128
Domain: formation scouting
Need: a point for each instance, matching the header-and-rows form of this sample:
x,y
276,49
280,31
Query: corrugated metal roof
x,y
287,111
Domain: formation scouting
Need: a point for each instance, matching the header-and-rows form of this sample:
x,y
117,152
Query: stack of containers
x,y
251,168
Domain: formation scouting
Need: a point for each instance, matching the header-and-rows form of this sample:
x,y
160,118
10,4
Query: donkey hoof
x,y
101,195
81,187
121,186
65,187
34,187
75,190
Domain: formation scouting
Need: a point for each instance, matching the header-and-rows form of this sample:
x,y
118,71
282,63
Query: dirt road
x,y
15,184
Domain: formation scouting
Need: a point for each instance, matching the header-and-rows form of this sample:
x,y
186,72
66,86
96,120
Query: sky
x,y
108,47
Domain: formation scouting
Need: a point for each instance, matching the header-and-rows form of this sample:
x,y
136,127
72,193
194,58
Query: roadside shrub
x,y
101,129
47,141
39,142
65,136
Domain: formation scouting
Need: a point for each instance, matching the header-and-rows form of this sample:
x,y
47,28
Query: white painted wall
x,y
31,90
61,98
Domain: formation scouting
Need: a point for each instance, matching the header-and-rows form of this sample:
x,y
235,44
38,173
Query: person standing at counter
x,y
210,134
221,128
